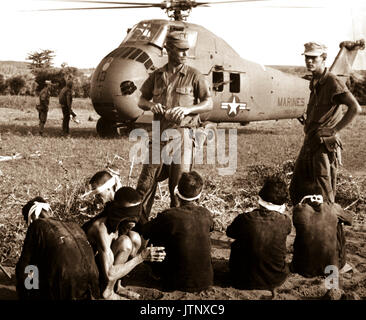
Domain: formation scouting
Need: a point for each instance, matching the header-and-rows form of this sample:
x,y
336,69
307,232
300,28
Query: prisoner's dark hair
x,y
274,190
311,188
29,205
100,178
127,195
190,184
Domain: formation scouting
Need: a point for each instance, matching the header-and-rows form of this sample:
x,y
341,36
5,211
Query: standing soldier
x,y
176,94
65,99
320,154
44,101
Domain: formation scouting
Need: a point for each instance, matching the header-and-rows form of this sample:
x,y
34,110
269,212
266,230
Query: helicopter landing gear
x,y
106,129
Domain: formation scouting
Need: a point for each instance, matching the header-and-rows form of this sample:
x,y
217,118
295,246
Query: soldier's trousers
x,y
65,120
152,173
42,115
314,166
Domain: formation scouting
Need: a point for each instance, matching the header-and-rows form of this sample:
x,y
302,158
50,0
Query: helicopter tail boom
x,y
343,62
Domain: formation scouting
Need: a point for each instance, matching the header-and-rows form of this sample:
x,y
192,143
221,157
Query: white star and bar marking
x,y
233,107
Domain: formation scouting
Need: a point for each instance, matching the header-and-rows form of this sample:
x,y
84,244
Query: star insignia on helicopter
x,y
234,106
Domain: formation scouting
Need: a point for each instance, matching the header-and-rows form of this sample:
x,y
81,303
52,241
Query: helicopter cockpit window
x,y
148,32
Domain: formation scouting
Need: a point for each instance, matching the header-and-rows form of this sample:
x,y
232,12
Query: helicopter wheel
x,y
106,129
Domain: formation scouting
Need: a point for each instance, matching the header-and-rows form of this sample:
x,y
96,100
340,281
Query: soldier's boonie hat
x,y
314,49
179,39
48,82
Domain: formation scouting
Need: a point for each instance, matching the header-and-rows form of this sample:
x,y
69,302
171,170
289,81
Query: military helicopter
x,y
242,91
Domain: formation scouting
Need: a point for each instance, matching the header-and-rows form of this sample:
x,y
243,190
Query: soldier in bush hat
x,y
320,154
44,101
176,94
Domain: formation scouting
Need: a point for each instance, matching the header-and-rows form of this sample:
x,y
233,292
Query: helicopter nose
x,y
120,86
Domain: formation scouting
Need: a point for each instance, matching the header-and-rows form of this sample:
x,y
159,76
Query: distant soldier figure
x,y
65,99
44,101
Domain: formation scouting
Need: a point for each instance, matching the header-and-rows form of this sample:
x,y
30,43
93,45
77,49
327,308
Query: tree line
x,y
42,69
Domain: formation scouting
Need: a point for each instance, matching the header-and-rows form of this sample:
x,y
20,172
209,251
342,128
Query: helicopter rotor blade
x,y
97,8
113,2
199,3
230,1
210,3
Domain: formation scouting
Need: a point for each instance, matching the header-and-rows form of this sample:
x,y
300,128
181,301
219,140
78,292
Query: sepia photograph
x,y
195,152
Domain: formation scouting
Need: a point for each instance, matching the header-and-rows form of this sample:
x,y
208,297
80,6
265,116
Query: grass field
x,y
56,167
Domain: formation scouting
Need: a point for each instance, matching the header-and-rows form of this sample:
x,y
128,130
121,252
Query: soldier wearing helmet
x,y
176,94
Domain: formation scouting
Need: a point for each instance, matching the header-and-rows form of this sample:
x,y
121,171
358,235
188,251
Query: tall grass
x,y
60,172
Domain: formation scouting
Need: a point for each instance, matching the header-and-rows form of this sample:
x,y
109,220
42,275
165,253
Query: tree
x,y
16,84
86,88
40,60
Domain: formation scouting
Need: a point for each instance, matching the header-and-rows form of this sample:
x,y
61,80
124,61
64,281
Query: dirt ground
x,y
353,284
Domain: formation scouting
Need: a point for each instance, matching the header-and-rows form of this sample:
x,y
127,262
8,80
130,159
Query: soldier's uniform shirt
x,y
319,240
184,88
65,261
65,97
44,97
185,234
322,110
257,257
317,161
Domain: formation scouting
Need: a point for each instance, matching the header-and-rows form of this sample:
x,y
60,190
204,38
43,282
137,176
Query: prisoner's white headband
x,y
112,172
317,198
37,209
113,181
271,206
177,193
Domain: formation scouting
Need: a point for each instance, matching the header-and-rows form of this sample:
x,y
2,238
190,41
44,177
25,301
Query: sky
x,y
263,31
